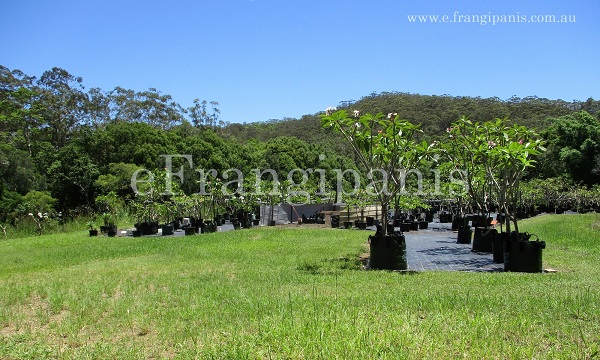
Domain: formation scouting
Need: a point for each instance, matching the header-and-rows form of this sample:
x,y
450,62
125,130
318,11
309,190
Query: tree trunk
x,y
384,218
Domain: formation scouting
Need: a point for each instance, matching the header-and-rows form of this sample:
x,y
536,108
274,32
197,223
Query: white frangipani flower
x,y
330,110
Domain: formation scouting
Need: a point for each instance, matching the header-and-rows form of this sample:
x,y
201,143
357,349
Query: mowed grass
x,y
291,293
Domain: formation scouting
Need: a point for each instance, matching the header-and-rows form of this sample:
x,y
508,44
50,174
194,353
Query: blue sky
x,y
270,59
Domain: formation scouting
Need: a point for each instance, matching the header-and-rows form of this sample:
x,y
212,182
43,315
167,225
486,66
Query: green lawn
x,y
298,293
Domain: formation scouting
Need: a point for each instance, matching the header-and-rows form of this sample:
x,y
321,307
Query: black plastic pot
x,y
523,255
256,222
464,235
445,218
388,252
148,228
361,225
136,233
94,232
477,221
429,216
112,231
482,239
498,248
348,224
414,226
405,227
167,229
335,221
189,230
423,225
211,227
370,220
457,222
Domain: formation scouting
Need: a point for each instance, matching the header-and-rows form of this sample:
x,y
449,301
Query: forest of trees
x,y
62,145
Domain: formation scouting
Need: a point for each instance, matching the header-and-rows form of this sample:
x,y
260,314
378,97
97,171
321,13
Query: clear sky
x,y
270,59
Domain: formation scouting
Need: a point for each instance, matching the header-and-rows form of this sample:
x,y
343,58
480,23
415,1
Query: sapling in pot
x,y
387,149
462,150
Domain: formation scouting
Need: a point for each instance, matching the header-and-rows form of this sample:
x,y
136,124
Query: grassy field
x,y
290,293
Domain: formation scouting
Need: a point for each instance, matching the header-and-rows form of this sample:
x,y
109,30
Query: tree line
x,y
62,146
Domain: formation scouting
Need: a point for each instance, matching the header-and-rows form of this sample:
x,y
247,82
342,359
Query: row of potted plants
x,y
496,155
490,158
404,223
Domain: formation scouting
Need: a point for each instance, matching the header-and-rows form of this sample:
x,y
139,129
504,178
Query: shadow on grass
x,y
330,266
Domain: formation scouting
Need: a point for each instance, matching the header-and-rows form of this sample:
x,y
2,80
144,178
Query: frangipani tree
x,y
462,150
410,202
508,153
386,148
503,152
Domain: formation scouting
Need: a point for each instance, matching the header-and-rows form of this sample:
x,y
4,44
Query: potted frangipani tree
x,y
110,205
507,154
387,149
166,213
361,201
92,228
463,151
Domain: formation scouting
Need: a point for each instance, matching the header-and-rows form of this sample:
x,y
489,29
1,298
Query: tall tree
x,y
21,121
64,104
159,110
150,107
201,116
